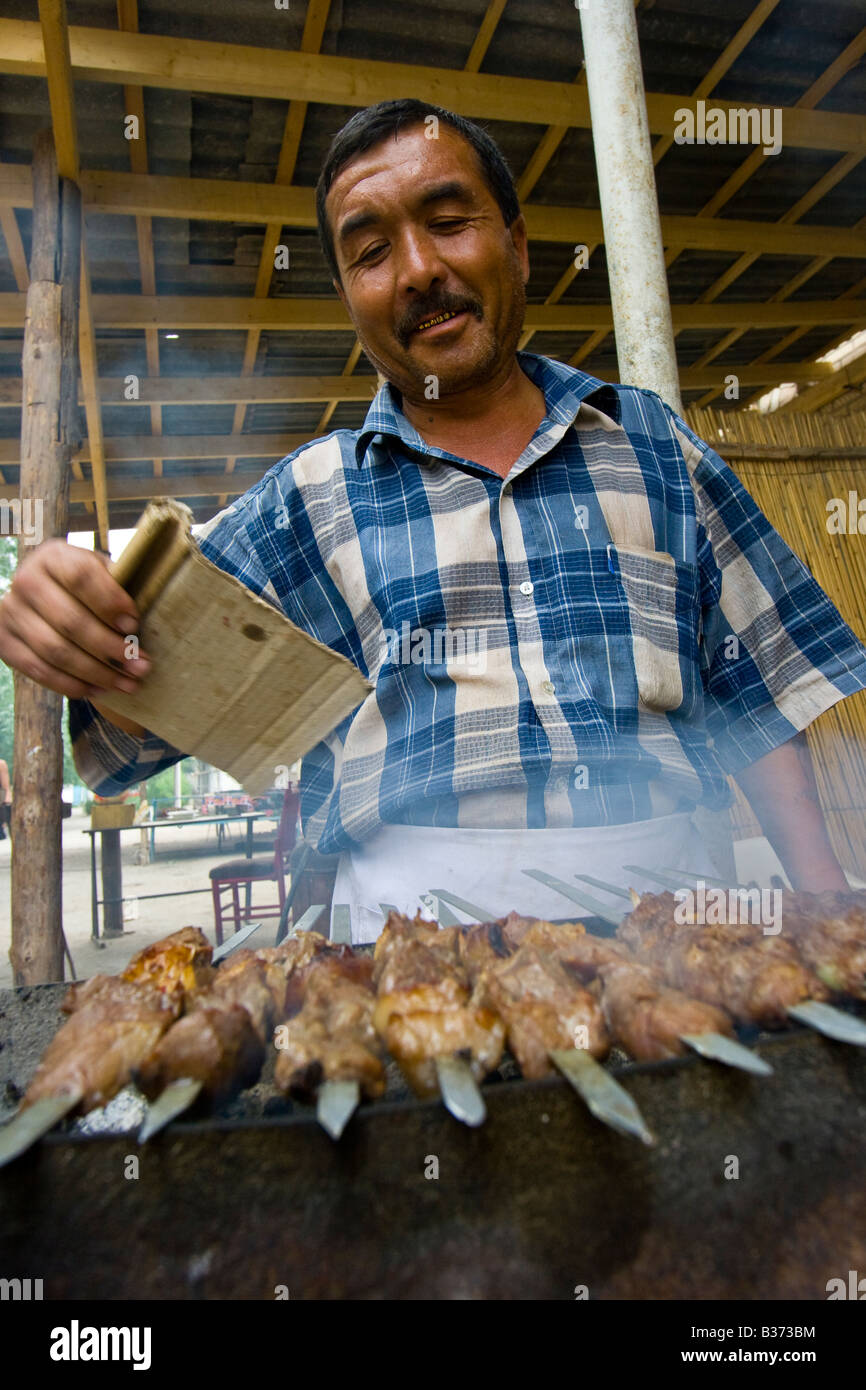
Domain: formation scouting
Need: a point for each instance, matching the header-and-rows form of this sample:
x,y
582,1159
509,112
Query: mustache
x,y
441,304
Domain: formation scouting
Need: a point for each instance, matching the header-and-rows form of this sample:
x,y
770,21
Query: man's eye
x,y
370,254
444,223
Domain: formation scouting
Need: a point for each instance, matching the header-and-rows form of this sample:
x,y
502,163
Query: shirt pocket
x,y
663,601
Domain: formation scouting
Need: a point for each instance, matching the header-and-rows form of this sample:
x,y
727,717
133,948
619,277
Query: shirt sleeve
x,y
776,652
107,758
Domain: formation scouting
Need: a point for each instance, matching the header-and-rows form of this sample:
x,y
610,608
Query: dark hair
x,y
375,123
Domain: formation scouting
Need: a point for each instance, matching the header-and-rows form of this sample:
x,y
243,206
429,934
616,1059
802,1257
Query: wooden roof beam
x,y
221,200
104,55
179,313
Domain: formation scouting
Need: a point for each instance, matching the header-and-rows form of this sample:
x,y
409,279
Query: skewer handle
x,y
341,925
575,895
26,1126
336,1102
460,1093
177,1097
833,1023
607,1100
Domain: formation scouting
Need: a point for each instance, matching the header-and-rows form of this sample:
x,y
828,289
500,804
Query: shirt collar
x,y
564,388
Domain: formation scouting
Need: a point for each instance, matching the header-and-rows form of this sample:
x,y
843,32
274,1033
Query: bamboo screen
x,y
793,465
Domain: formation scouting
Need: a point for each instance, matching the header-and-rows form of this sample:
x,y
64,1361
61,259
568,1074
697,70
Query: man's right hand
x,y
64,621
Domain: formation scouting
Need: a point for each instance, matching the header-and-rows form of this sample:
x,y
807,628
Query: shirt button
x,y
548,687
527,587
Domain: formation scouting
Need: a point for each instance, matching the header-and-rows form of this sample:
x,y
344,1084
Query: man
x,y
575,618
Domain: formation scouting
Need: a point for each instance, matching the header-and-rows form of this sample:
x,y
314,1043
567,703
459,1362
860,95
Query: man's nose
x,y
419,263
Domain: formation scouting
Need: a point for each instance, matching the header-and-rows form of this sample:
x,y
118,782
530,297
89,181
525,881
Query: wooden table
x,y
112,870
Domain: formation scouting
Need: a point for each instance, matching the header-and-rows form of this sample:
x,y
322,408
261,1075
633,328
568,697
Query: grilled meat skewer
x,y
544,1008
218,1048
443,1039
551,1019
644,1015
829,932
331,1049
115,1020
179,965
758,979
114,1023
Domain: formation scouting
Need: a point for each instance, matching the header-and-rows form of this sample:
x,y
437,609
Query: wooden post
x,y
49,434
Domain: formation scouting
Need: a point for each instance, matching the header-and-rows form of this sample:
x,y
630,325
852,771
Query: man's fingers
x,y
85,575
76,624
55,655
25,660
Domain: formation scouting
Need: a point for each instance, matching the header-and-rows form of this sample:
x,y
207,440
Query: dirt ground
x,y
183,859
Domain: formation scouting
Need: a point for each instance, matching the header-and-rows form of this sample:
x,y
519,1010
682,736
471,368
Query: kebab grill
x,y
302,1084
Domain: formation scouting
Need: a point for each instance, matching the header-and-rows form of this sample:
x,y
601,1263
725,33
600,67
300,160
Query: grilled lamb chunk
x,y
114,1023
243,980
424,1009
544,1009
285,966
179,964
218,1046
333,1038
829,932
757,978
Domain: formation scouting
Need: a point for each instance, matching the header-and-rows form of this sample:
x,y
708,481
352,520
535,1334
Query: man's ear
x,y
339,288
520,240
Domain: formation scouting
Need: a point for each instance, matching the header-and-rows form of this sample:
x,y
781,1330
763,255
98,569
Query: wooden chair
x,y
237,873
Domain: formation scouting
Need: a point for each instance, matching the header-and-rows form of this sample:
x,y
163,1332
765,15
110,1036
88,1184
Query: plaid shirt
x,y
596,639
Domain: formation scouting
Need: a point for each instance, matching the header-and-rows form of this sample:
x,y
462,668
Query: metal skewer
x,y
178,1096
460,1091
715,1047
233,942
478,914
604,1096
607,887
26,1126
341,925
607,1100
461,1094
336,1102
309,919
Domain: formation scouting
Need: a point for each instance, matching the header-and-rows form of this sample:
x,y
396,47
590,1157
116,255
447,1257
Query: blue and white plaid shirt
x,y
596,639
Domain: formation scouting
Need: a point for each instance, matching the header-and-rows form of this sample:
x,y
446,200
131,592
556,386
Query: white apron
x,y
404,865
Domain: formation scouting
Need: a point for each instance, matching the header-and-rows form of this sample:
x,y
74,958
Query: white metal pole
x,y
629,203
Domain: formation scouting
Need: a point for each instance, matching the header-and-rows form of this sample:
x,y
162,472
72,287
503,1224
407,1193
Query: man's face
x,y
418,234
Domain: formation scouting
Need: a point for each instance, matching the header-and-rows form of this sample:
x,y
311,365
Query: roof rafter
x,y
104,55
